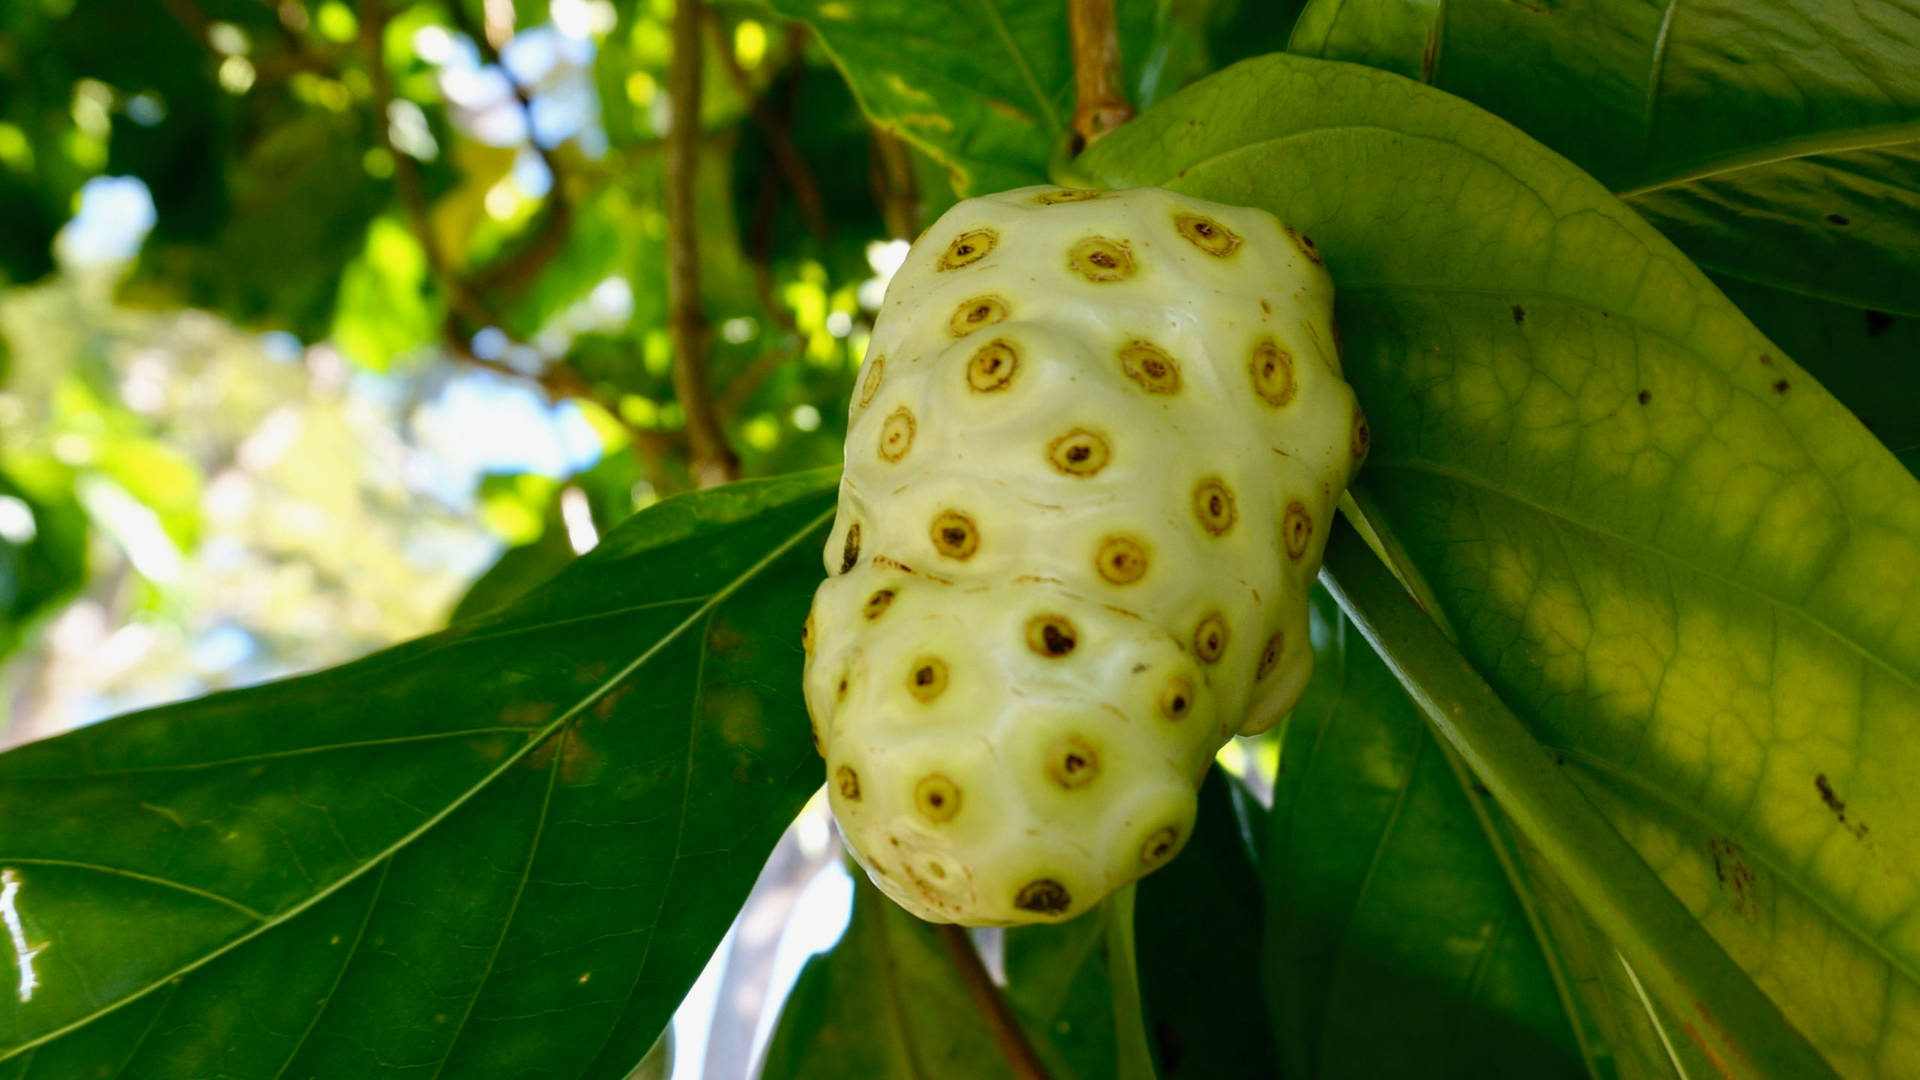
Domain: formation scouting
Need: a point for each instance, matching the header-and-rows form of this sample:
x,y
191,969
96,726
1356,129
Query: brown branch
x,y
890,177
1099,104
780,145
1007,1035
712,460
763,367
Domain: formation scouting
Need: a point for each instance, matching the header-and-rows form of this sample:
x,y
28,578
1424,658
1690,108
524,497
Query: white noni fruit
x,y
1093,453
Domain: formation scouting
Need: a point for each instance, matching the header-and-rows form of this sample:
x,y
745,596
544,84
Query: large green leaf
x,y
1776,141
1387,910
986,86
1690,569
507,848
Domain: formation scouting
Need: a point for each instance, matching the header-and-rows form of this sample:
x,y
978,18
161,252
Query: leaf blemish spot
x,y
1646,397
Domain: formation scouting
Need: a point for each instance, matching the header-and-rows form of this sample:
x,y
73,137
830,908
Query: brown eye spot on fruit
x,y
1079,452
1066,195
850,554
877,604
927,678
896,434
1072,762
1121,560
840,688
1101,260
954,535
1159,847
1304,243
937,798
973,314
1044,895
1207,234
1363,435
1176,698
1270,656
806,635
848,782
992,366
968,248
1272,368
1213,505
1298,529
1051,636
871,384
1210,638
1147,364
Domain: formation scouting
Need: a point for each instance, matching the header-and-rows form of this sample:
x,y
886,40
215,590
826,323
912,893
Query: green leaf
x,y
1690,569
1776,141
387,305
986,86
1387,908
43,555
505,848
885,1003
1196,923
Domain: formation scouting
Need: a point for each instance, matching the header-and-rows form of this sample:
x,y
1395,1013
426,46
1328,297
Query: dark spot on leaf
x,y
1519,314
1646,397
1780,386
1878,322
1172,1046
1838,219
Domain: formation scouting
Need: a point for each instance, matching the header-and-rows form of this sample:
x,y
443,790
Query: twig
x,y
1099,106
712,460
744,384
1007,1035
890,176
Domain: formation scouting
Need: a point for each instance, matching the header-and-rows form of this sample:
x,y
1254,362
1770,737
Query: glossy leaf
x,y
1775,141
1687,565
1195,926
510,845
1387,909
987,87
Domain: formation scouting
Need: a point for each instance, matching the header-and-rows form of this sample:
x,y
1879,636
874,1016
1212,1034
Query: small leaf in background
x,y
511,845
1683,562
1387,908
387,307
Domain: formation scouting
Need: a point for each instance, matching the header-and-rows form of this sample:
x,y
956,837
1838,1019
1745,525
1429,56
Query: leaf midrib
x,y
406,839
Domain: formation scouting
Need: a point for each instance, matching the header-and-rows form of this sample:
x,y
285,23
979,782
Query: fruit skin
x,y
1094,449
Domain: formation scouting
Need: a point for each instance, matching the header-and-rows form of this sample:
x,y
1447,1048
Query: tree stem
x,y
712,462
1099,104
1012,1041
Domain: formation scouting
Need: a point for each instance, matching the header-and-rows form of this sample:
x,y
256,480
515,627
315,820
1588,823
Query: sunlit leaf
x,y
1690,568
387,306
507,847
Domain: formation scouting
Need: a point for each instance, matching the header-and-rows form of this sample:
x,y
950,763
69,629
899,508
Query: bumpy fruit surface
x,y
1094,450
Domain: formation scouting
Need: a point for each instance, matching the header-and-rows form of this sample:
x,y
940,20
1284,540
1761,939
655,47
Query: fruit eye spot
x,y
1304,243
1210,638
993,366
806,634
1363,435
848,782
850,554
1270,656
1079,452
1213,505
1298,529
1121,560
1045,896
1159,846
954,535
1051,636
968,248
1207,234
871,384
973,314
1147,364
878,603
1272,368
1073,763
928,679
1101,260
937,799
896,435
1066,195
840,691
1176,698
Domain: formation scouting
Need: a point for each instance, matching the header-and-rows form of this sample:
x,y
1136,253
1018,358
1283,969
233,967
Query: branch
x,y
890,176
1012,1041
1099,105
712,461
780,145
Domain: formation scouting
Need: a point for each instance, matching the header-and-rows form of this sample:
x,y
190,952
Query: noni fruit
x,y
1093,452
